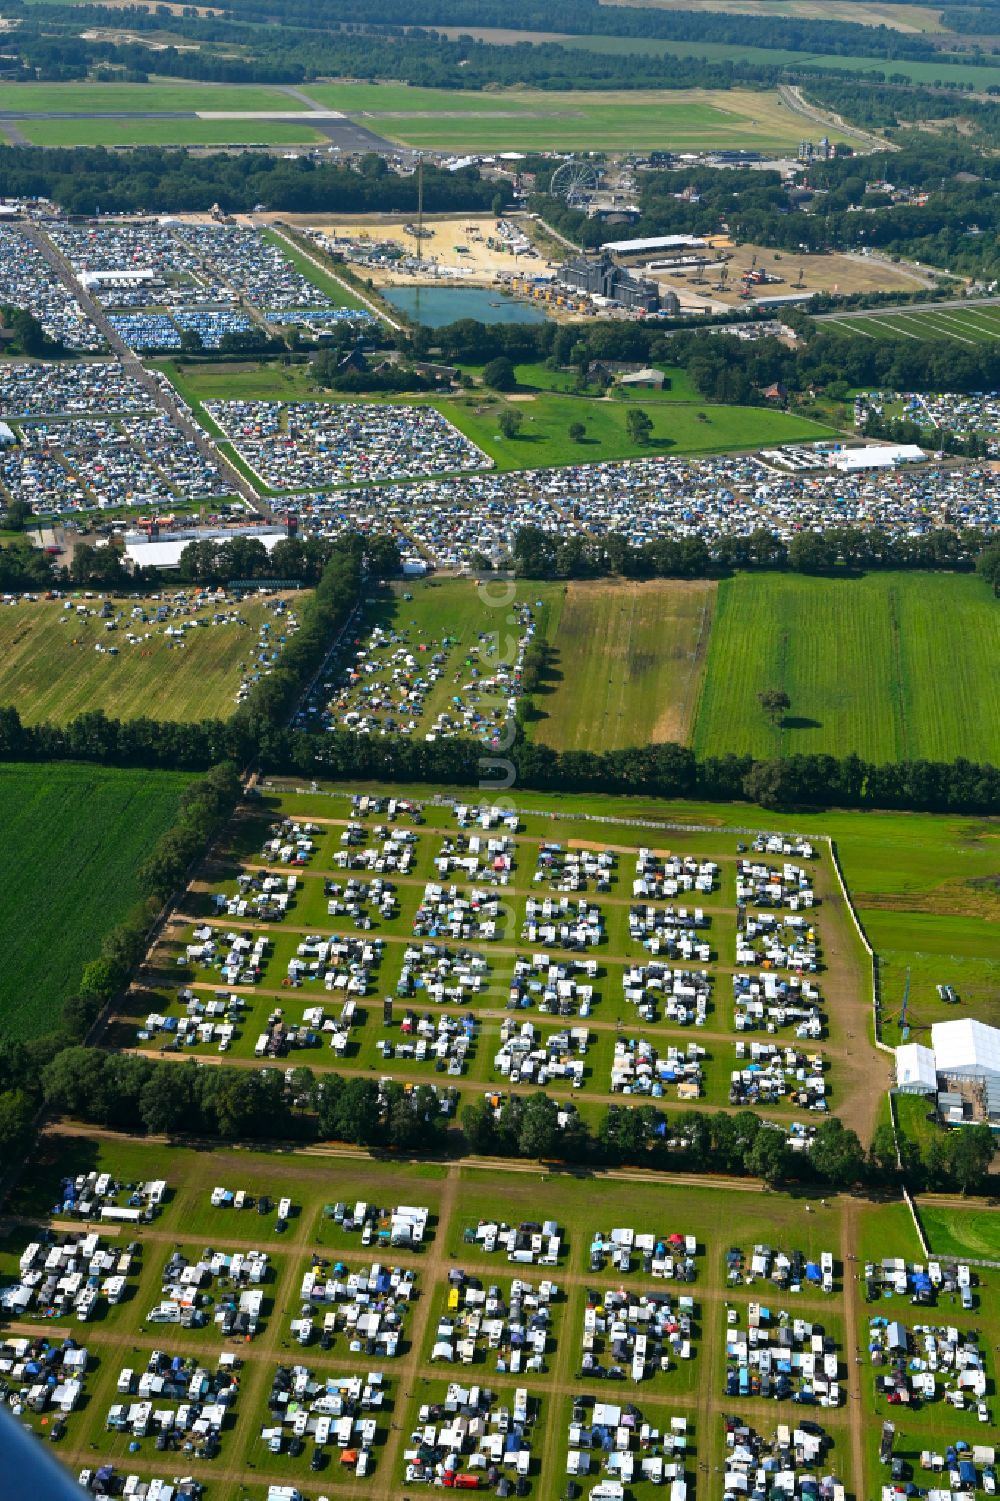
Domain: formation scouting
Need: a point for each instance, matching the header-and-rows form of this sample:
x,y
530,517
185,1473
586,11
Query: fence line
x,y
916,1219
873,957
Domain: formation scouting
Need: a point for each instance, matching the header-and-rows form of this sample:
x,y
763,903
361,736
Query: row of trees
x,y
541,555
659,770
723,367
171,181
185,1100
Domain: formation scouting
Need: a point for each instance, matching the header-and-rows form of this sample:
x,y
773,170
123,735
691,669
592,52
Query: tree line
x,y
723,367
86,178
185,1100
539,554
664,770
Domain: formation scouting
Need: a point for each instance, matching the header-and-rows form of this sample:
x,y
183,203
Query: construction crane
x,y
748,279
904,1016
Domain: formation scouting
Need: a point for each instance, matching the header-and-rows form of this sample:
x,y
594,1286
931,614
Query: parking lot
x,y
453,521
29,283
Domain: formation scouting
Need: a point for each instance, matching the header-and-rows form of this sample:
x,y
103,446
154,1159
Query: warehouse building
x,y
875,456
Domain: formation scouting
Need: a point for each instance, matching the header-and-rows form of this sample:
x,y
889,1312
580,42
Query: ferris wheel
x,y
574,181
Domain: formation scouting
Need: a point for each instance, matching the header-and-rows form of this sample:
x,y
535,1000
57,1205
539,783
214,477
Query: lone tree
x,y
577,432
499,375
510,423
638,425
775,703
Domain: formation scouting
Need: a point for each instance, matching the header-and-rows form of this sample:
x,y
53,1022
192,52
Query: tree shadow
x,y
800,722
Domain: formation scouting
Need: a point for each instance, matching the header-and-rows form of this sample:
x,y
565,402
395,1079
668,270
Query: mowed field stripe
x,y
629,658
886,665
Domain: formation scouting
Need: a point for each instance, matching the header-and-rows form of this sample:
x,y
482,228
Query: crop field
x,y
640,651
892,667
966,325
53,665
73,838
690,119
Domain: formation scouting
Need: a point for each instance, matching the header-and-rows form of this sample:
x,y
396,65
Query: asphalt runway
x,y
344,133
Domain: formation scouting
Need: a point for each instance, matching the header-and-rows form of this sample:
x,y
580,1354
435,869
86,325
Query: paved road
x,y
346,134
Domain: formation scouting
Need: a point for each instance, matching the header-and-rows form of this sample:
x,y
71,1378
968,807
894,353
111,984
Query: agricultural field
x,y
965,325
73,839
909,18
56,663
892,667
527,120
640,649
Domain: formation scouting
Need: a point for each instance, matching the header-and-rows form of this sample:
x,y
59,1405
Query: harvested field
x,y
628,663
51,668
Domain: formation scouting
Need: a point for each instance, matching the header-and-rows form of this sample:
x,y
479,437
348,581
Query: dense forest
x,y
157,179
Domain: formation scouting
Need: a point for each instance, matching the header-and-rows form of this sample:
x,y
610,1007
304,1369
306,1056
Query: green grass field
x,y
49,668
892,667
179,132
546,417
960,1232
524,119
41,98
73,836
971,326
640,650
539,377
